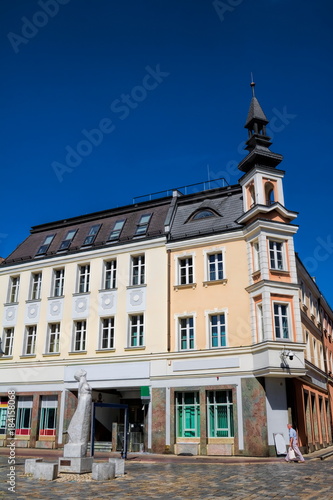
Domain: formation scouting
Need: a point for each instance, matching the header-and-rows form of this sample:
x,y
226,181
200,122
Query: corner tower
x,y
262,181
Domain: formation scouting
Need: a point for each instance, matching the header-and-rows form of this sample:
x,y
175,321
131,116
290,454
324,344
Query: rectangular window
x,y
64,245
58,282
53,337
215,266
36,286
143,224
276,255
30,339
187,414
281,321
14,285
186,333
80,332
185,271
3,414
260,323
84,278
138,270
90,238
23,415
45,246
48,416
8,341
110,274
117,229
107,333
256,256
220,419
218,330
136,330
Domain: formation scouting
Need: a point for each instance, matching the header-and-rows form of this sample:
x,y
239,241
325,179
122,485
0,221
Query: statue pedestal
x,y
75,465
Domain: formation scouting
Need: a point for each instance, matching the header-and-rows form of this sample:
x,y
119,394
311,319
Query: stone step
x,y
101,446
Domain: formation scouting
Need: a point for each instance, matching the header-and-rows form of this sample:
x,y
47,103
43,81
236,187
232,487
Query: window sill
x,y
79,294
130,287
215,282
7,304
77,352
280,272
31,301
139,348
182,287
6,357
51,354
98,351
103,290
55,297
27,356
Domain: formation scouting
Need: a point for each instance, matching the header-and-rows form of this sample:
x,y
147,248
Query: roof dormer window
x,y
68,240
142,225
117,229
45,246
89,240
203,214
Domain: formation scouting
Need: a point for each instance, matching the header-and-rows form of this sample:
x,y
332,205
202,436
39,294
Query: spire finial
x,y
252,84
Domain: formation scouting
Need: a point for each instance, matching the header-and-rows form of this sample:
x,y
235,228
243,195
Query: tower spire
x,y
258,141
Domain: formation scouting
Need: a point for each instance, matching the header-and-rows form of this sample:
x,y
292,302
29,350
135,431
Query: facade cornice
x,y
266,209
283,285
66,258
273,226
206,240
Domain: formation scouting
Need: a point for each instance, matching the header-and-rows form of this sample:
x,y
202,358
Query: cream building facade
x,y
192,310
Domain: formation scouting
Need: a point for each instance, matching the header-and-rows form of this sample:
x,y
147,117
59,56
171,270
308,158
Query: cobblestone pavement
x,y
186,479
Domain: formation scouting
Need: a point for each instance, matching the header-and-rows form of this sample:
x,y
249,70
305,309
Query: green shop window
x,y
188,414
220,414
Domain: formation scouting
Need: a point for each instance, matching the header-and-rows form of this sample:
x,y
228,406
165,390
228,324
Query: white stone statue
x,y
79,427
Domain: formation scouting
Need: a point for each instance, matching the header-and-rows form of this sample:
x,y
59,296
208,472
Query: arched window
x,y
269,193
203,214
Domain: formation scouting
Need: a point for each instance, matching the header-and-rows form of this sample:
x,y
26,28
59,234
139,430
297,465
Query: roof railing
x,y
189,189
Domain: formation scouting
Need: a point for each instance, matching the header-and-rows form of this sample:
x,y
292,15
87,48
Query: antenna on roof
x,y
252,84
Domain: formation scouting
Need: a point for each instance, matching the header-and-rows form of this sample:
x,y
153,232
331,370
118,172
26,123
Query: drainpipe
x,y
168,301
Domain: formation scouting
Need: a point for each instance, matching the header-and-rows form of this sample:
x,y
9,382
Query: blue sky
x,y
166,83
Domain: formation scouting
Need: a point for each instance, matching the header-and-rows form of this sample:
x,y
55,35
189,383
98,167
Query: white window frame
x,y
256,256
79,328
274,255
180,410
36,286
8,341
189,270
58,281
53,334
138,262
109,329
215,253
111,273
13,289
281,316
30,340
223,313
260,322
140,335
83,278
188,327
213,433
